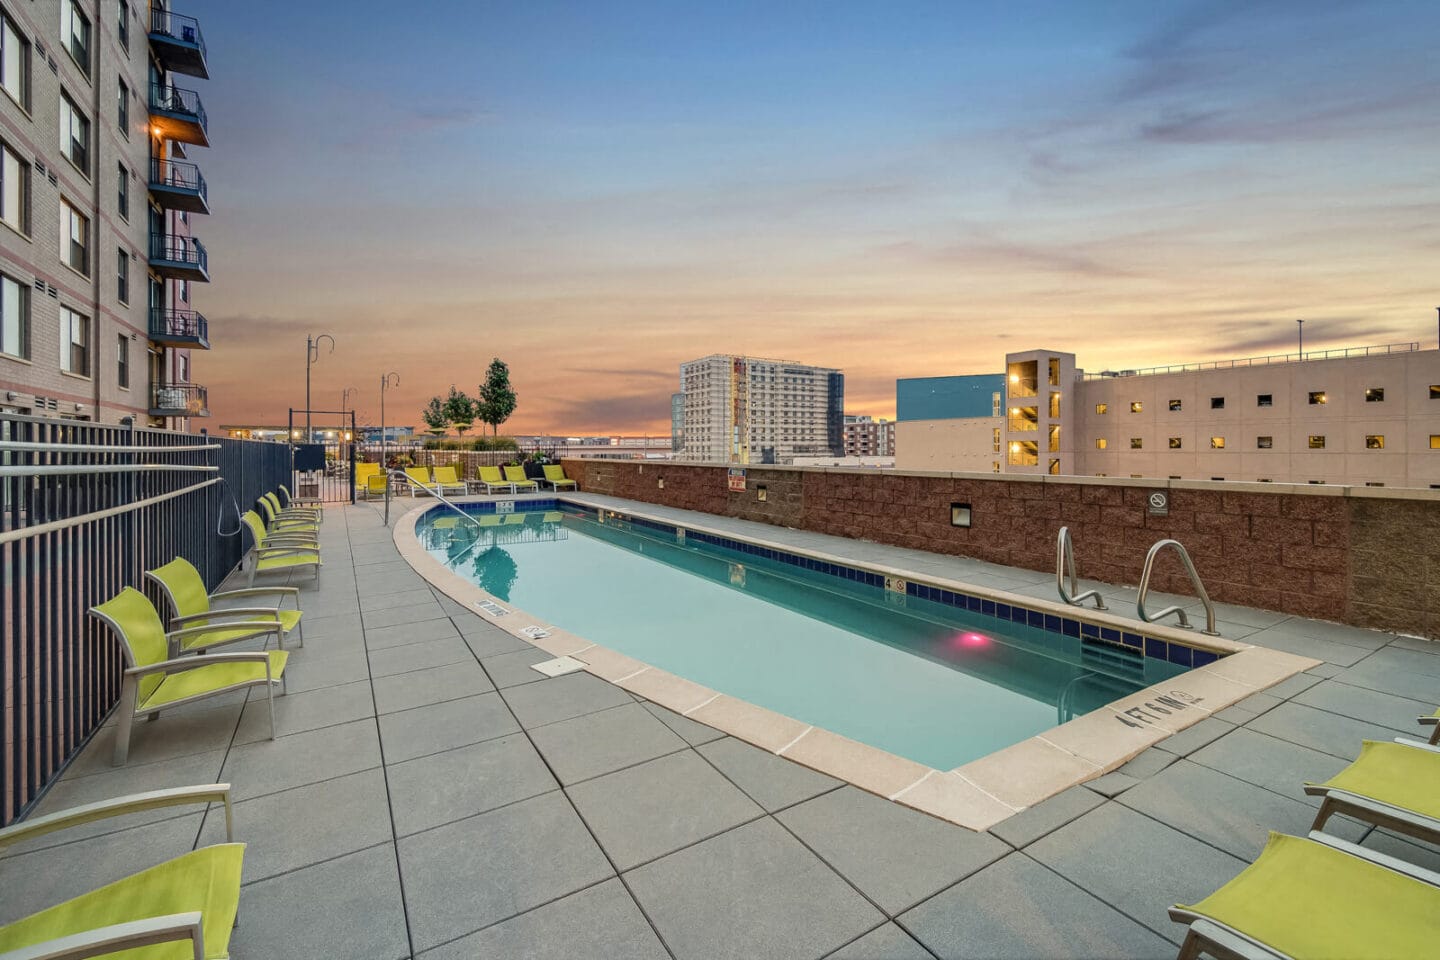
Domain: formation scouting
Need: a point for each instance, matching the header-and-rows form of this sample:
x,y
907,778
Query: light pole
x,y
1300,324
344,395
312,353
384,444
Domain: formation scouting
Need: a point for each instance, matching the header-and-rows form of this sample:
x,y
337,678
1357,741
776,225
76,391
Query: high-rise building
x,y
869,437
749,410
97,259
677,422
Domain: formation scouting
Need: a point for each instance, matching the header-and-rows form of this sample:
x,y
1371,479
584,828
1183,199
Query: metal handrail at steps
x,y
1065,566
402,475
1179,612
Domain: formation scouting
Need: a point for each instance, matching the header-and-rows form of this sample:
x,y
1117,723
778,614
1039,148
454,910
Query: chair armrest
x,y
288,550
1418,744
116,807
258,592
1378,858
187,632
104,941
292,540
181,664
273,612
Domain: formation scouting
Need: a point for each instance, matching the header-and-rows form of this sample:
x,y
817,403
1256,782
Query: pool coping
x,y
976,795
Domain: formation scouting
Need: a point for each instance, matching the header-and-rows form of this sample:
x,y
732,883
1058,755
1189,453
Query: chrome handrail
x,y
1065,564
402,475
1149,568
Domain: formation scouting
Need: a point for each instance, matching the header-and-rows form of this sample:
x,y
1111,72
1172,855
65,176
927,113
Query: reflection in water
x,y
495,571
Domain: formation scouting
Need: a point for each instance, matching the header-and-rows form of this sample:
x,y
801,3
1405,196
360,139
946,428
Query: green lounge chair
x,y
278,554
190,900
419,480
310,514
490,478
154,681
281,536
1395,785
375,485
555,476
293,501
274,523
363,473
515,476
448,480
1431,721
1319,897
203,626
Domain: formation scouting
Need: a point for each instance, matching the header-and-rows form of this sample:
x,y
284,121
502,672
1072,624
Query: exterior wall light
x,y
660,483
760,492
959,514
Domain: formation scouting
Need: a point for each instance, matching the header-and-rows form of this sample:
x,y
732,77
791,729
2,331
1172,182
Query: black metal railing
x,y
167,323
177,176
177,27
188,251
185,399
85,509
177,101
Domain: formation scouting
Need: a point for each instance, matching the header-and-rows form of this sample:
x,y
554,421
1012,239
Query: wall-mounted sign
x,y
737,479
1157,504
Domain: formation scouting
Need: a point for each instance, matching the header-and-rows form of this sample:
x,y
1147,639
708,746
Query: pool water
x,y
921,680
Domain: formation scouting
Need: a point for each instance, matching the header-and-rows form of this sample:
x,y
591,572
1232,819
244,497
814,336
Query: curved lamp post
x,y
312,353
386,381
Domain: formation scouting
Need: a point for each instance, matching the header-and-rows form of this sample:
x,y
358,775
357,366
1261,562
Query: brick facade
x,y
1336,553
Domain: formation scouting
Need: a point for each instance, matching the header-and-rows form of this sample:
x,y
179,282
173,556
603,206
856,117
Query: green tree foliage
x,y
434,416
497,398
459,410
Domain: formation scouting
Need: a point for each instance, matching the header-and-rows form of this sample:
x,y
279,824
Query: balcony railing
x,y
182,258
178,41
179,185
1336,353
179,400
179,328
179,114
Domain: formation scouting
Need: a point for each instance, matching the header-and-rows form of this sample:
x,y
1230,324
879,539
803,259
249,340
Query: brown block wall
x,y
1340,555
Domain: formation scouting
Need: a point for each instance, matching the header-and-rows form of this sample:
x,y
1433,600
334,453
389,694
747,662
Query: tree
x,y
460,410
497,399
434,416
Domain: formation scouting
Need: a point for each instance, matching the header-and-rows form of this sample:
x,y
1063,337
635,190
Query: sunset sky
x,y
597,191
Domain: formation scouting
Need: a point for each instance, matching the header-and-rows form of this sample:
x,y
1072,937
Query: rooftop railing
x,y
176,26
1335,354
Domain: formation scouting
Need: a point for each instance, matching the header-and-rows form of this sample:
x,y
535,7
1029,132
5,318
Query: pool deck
x,y
429,795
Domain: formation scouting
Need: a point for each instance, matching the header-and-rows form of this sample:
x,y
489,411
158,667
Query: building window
x,y
1435,391
1054,438
1264,400
75,33
1175,406
1174,443
1136,406
1374,441
1054,406
74,342
995,404
1317,442
1373,483
1054,371
14,62
14,190
184,287
122,362
1054,467
1264,443
14,318
1375,395
1104,408
1318,397
1435,441
1217,403
995,440
122,276
994,466
1217,443
122,25
1136,443
122,110
1101,443
74,238
74,134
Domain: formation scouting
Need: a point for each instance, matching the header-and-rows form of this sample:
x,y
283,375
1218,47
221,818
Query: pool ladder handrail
x,y
1179,612
402,475
1065,565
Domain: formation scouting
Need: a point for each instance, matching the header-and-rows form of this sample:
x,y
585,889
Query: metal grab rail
x,y
1149,568
1065,565
402,475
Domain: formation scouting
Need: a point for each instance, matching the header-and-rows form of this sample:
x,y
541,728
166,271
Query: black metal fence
x,y
85,509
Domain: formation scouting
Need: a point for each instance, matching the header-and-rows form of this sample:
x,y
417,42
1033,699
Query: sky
x,y
598,191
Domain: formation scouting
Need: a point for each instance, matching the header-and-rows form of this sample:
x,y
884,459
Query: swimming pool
x,y
910,670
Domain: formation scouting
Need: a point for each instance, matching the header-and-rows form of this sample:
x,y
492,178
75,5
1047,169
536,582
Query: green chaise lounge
x,y
297,514
491,480
555,476
153,680
448,481
363,473
294,501
419,480
1317,898
1393,785
278,553
274,523
515,476
182,908
203,626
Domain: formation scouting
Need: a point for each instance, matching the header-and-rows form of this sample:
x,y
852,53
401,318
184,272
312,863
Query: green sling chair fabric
x,y
287,555
1305,899
447,478
292,514
278,524
189,598
206,881
1393,773
516,477
555,476
490,476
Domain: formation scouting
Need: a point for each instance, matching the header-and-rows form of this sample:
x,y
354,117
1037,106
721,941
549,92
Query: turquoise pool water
x,y
910,676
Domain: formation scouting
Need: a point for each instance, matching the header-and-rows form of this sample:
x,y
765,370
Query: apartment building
x,y
677,422
751,410
1360,416
950,423
98,262
869,437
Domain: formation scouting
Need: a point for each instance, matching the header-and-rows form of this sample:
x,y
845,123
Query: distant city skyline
x,y
596,193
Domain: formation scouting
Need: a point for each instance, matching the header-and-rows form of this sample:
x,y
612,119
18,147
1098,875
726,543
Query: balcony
x,y
177,41
178,186
177,114
179,400
179,328
179,258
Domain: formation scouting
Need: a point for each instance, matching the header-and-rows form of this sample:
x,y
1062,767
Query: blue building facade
x,y
948,398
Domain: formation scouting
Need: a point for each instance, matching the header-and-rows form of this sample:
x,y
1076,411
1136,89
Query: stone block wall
x,y
1367,557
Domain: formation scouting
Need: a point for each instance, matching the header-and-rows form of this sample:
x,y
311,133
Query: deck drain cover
x,y
494,609
558,666
535,633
